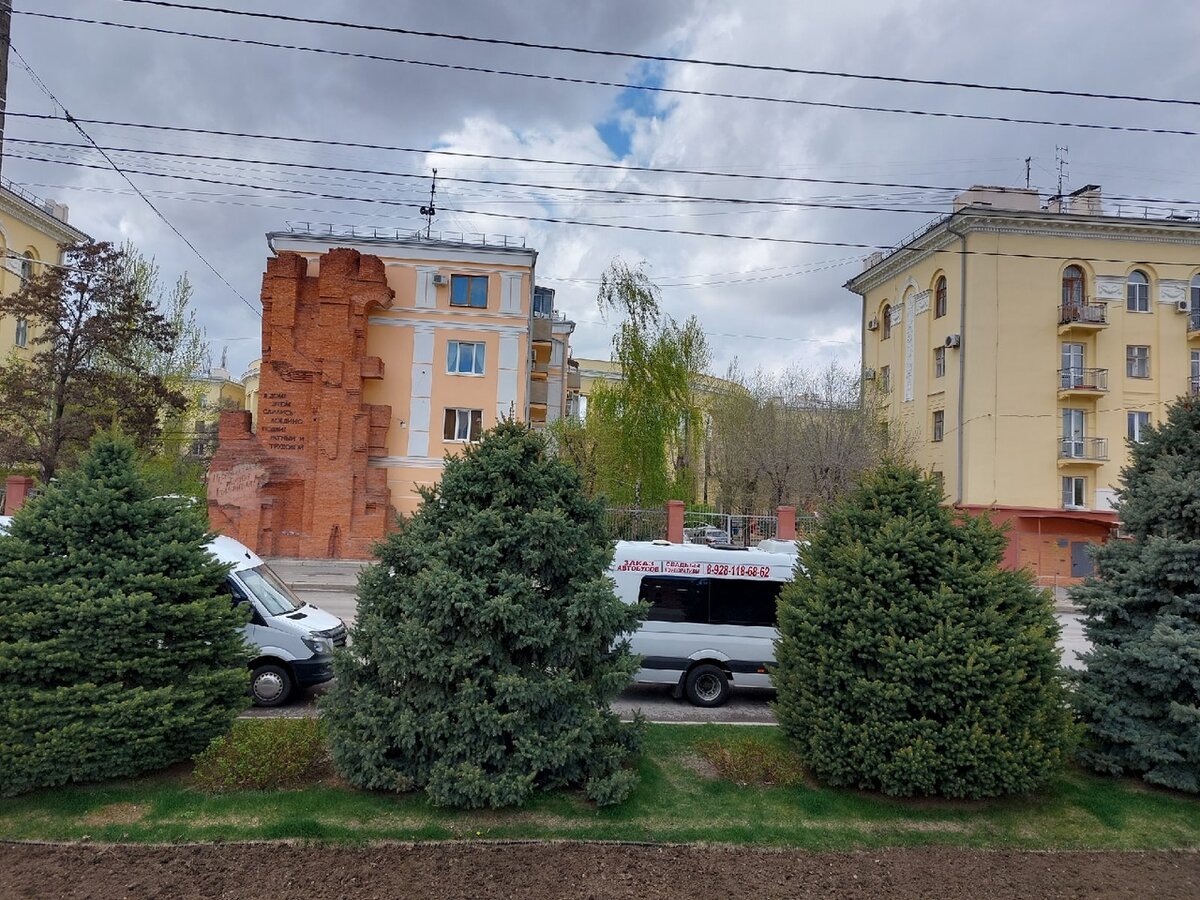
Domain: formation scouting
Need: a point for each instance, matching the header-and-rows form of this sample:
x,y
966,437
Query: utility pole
x,y
5,40
1061,154
1028,160
427,211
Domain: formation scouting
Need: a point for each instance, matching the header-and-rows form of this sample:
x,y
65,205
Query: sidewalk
x,y
337,575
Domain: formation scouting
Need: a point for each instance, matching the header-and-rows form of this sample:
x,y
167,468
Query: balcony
x,y
539,391
1082,383
543,330
1082,317
573,383
540,366
1194,385
1082,451
1194,324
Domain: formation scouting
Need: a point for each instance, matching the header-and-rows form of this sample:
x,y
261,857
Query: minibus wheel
x,y
707,685
270,685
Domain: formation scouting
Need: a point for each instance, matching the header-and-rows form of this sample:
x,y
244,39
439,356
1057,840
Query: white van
x,y
711,618
294,639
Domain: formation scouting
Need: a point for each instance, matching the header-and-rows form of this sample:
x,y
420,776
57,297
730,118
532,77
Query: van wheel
x,y
270,685
707,685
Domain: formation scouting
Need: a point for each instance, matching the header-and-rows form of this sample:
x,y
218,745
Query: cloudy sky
x,y
767,303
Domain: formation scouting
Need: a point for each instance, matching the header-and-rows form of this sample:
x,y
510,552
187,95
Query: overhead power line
x,y
616,167
661,58
818,104
556,220
574,189
124,175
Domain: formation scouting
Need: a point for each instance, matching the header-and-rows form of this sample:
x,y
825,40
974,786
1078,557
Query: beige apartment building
x,y
31,230
1021,344
461,345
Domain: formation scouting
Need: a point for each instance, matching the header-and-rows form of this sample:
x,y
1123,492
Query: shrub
x,y
754,760
482,663
264,755
1139,696
120,651
909,662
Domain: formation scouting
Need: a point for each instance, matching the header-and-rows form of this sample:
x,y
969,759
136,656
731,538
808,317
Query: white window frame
x,y
464,418
1135,360
1074,492
939,362
454,351
1074,433
1137,293
1135,421
21,337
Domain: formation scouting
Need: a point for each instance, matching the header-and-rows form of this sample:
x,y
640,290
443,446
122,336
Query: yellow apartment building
x,y
31,230
1021,344
462,345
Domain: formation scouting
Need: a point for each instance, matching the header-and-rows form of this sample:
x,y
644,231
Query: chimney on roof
x,y
994,197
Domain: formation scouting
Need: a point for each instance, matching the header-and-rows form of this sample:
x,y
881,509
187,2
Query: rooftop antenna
x,y
224,355
1028,160
1060,157
430,211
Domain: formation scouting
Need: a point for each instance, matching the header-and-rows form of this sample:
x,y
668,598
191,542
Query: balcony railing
x,y
538,392
543,330
1087,314
1194,385
1083,380
1194,321
1093,449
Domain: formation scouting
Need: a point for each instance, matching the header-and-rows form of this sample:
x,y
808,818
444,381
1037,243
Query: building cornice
x,y
975,220
38,219
417,251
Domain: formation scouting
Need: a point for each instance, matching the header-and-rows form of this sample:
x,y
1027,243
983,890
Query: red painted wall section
x,y
302,484
675,521
785,529
17,489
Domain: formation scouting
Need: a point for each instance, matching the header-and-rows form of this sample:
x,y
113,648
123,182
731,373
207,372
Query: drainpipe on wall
x,y
962,355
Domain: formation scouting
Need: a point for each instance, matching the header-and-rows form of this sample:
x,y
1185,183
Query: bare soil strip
x,y
574,870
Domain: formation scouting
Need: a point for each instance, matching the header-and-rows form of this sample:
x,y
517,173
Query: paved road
x,y
330,585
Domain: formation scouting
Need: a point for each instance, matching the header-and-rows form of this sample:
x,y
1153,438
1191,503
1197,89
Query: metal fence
x,y
631,524
738,529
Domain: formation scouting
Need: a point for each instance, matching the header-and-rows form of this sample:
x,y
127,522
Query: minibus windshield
x,y
268,590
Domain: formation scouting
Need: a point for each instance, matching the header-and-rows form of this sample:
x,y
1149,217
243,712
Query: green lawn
x,y
680,799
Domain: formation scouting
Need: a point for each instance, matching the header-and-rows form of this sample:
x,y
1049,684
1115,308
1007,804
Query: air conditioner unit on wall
x,y
873,325
954,340
441,279
1183,306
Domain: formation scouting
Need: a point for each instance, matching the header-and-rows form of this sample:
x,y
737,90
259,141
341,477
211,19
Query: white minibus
x,y
711,619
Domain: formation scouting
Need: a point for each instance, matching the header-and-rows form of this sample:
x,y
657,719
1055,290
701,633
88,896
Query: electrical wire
x,y
660,58
630,86
112,164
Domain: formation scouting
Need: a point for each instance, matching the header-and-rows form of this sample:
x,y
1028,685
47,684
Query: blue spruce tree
x,y
909,661
1140,693
482,663
120,652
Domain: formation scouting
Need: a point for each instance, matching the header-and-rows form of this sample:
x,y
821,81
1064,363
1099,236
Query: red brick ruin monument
x,y
302,486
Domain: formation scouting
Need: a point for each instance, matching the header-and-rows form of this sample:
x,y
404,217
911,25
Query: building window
x,y
22,337
939,298
939,425
465,358
469,290
27,266
543,302
1072,287
1194,384
939,478
939,362
463,424
885,327
1137,361
1137,292
1074,492
1074,433
1138,422
885,379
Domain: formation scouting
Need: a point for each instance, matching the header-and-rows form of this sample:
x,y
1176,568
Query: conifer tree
x,y
1139,695
909,662
482,663
119,651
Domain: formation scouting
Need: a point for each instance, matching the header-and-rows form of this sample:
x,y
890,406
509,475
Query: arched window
x,y
886,325
1137,292
939,298
27,266
1072,287
1194,315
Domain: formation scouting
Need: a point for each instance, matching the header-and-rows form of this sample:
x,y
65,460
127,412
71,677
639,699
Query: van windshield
x,y
273,594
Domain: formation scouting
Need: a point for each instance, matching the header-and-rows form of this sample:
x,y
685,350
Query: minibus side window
x,y
743,602
675,599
